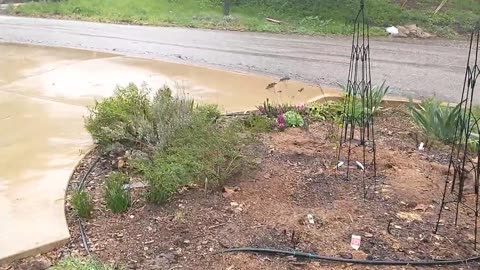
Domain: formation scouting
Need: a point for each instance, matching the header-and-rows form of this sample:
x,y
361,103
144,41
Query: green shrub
x,y
293,119
116,197
77,263
437,121
81,204
257,123
197,152
132,118
327,111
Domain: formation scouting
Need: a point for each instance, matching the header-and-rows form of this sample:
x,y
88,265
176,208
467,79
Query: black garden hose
x,y
354,261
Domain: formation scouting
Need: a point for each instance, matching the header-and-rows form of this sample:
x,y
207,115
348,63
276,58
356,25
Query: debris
x,y
360,165
135,185
409,216
132,216
310,219
340,164
345,255
355,242
359,255
271,85
421,147
392,30
368,235
267,176
397,227
421,207
273,20
286,78
234,204
228,191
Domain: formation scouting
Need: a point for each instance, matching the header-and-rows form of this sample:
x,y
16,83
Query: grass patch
x,y
77,263
116,197
306,17
258,123
81,204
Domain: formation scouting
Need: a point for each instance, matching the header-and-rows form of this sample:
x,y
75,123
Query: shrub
x,y
257,123
293,119
132,118
82,205
327,111
76,263
437,121
199,151
116,197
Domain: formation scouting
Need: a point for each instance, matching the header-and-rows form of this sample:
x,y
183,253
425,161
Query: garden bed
x,y
267,207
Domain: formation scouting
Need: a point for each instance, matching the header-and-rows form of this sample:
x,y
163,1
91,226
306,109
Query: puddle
x,y
43,97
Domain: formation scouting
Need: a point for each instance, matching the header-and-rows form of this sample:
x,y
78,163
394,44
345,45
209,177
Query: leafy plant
x,y
437,121
81,204
273,110
116,197
293,119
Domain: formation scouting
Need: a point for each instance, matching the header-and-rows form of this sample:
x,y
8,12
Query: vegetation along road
x,y
414,68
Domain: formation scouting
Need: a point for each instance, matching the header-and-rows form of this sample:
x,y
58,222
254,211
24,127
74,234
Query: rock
x,y
37,263
204,242
186,241
234,204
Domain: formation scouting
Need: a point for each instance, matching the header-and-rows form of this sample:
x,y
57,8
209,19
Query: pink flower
x,y
281,123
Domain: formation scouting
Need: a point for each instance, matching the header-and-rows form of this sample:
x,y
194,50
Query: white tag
x,y
355,243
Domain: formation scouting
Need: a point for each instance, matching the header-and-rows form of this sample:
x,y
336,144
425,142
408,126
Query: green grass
x,y
116,197
76,263
81,204
308,16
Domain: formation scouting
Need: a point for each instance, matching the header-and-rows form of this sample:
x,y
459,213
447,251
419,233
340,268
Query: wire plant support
x,y
357,150
462,182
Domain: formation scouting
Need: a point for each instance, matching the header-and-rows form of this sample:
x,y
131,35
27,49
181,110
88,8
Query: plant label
x,y
355,243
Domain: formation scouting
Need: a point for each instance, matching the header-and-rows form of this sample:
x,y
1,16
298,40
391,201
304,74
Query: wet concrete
x,y
43,96
414,68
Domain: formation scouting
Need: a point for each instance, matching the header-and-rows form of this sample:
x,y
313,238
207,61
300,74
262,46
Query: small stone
x,y
410,239
145,248
132,216
186,241
368,235
267,176
204,242
234,204
398,227
210,249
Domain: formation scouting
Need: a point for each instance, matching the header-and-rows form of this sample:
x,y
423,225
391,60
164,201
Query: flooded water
x,y
43,97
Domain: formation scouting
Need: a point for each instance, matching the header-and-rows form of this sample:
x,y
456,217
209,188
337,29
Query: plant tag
x,y
355,243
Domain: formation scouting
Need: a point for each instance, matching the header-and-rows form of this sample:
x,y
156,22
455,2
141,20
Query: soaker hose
x,y
354,261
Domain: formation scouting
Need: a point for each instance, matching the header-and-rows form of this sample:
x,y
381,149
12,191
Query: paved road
x,y
413,68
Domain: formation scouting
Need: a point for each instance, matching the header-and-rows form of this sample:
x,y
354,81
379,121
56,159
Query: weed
x,y
327,111
77,263
257,123
116,197
293,119
82,205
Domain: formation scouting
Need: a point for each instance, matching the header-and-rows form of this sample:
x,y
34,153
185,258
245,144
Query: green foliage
x,y
257,123
77,263
437,121
199,151
306,16
81,204
116,197
130,117
293,119
326,111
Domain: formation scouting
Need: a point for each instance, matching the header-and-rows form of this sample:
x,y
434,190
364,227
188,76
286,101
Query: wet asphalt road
x,y
413,68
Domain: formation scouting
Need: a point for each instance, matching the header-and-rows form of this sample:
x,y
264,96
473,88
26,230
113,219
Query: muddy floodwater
x,y
43,97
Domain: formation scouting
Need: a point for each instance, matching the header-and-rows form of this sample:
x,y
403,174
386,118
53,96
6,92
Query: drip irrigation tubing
x,y
354,261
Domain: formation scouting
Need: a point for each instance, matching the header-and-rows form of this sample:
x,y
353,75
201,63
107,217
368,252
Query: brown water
x,y
43,93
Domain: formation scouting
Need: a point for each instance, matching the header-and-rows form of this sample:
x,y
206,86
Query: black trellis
x,y
462,182
357,151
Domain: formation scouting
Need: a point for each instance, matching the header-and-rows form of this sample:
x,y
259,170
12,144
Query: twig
x,y
440,6
273,20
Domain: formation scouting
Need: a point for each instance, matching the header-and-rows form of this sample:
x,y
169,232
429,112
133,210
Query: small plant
x,y
272,111
293,119
258,123
438,122
77,263
327,111
281,122
116,197
82,205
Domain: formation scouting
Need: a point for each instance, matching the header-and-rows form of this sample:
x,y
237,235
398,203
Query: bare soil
x,y
268,208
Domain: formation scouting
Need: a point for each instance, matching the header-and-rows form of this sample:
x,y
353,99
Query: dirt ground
x,y
268,208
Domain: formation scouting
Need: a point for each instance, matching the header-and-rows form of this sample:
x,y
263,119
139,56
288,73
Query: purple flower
x,y
281,123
